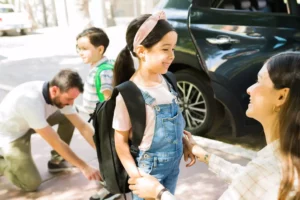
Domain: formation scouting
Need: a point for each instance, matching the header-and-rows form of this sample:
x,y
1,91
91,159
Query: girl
x,y
152,40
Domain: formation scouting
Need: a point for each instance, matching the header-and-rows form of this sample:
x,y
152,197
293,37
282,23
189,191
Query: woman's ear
x,y
282,96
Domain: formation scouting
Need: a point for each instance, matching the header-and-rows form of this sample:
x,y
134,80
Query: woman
x,y
274,173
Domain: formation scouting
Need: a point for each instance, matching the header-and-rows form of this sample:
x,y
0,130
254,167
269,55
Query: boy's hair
x,y
67,79
124,67
96,36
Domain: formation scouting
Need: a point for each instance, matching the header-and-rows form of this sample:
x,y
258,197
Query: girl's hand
x,y
188,140
198,151
188,154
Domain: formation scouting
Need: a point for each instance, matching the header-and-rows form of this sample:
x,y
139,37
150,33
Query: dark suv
x,y
221,46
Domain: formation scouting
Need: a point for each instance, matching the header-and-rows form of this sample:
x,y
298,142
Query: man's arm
x,y
84,128
64,150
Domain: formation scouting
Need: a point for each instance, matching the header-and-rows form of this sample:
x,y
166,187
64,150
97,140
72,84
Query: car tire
x,y
196,101
24,31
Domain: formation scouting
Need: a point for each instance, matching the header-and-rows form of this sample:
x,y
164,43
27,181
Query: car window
x,y
273,6
181,4
6,10
298,7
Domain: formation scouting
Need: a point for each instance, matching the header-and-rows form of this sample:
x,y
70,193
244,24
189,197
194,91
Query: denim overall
x,y
163,158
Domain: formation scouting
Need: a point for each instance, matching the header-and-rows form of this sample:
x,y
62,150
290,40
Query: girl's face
x,y
88,52
159,57
263,97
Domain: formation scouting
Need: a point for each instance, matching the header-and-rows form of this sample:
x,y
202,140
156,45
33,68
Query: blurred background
x,y
81,13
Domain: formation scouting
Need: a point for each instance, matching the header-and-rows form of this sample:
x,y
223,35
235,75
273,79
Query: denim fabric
x,y
163,158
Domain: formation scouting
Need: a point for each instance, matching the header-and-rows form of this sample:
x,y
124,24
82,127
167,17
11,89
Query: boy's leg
x,y
18,166
65,131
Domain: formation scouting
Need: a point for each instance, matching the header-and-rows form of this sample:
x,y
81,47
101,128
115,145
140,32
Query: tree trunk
x,y
110,14
54,13
28,9
82,9
44,13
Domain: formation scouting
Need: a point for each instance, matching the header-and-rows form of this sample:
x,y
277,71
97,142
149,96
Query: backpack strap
x,y
136,107
172,80
101,68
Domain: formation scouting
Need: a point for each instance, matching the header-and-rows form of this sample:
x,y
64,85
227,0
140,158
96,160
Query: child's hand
x,y
188,140
188,154
194,148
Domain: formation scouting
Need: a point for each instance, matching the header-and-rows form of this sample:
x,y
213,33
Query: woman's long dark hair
x,y
284,71
124,66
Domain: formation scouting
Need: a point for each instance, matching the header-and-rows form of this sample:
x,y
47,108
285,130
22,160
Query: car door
x,y
234,39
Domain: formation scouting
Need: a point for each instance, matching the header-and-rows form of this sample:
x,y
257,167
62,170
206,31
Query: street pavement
x,y
39,56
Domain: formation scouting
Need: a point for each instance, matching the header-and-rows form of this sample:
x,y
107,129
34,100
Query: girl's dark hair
x,y
97,37
124,66
67,79
284,71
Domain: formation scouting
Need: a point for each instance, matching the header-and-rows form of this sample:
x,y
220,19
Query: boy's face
x,y
88,52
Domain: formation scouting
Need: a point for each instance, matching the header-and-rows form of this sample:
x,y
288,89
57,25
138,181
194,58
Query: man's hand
x,y
146,186
91,173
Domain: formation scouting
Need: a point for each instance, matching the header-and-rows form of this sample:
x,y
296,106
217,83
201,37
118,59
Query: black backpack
x,y
112,171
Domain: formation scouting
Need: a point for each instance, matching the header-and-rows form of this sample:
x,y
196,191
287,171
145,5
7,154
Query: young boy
x,y
91,46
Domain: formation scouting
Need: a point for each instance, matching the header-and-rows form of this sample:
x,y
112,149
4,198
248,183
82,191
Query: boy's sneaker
x,y
59,167
103,194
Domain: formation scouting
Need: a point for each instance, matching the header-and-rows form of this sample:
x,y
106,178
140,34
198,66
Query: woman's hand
x,y
146,186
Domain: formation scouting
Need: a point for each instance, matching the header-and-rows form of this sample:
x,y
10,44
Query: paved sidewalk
x,y
194,183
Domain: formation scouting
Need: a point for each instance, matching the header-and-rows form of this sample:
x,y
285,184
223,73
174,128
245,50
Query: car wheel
x,y
196,101
23,32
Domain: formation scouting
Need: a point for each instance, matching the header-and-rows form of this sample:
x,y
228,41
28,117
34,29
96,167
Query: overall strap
x,y
172,80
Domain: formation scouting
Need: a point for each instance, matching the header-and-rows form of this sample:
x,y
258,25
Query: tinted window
x,y
179,4
275,6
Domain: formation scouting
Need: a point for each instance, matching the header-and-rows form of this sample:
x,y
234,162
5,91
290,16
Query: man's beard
x,y
57,103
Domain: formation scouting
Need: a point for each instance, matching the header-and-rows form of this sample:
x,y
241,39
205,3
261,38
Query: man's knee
x,y
31,185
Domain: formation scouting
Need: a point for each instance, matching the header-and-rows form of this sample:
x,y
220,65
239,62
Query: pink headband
x,y
147,27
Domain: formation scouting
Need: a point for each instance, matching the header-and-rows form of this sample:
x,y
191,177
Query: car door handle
x,y
222,40
253,34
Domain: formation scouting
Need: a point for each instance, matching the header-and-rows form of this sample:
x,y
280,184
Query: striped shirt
x,y
90,97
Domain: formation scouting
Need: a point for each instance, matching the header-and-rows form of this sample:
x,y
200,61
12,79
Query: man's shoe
x,y
1,157
103,194
60,167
